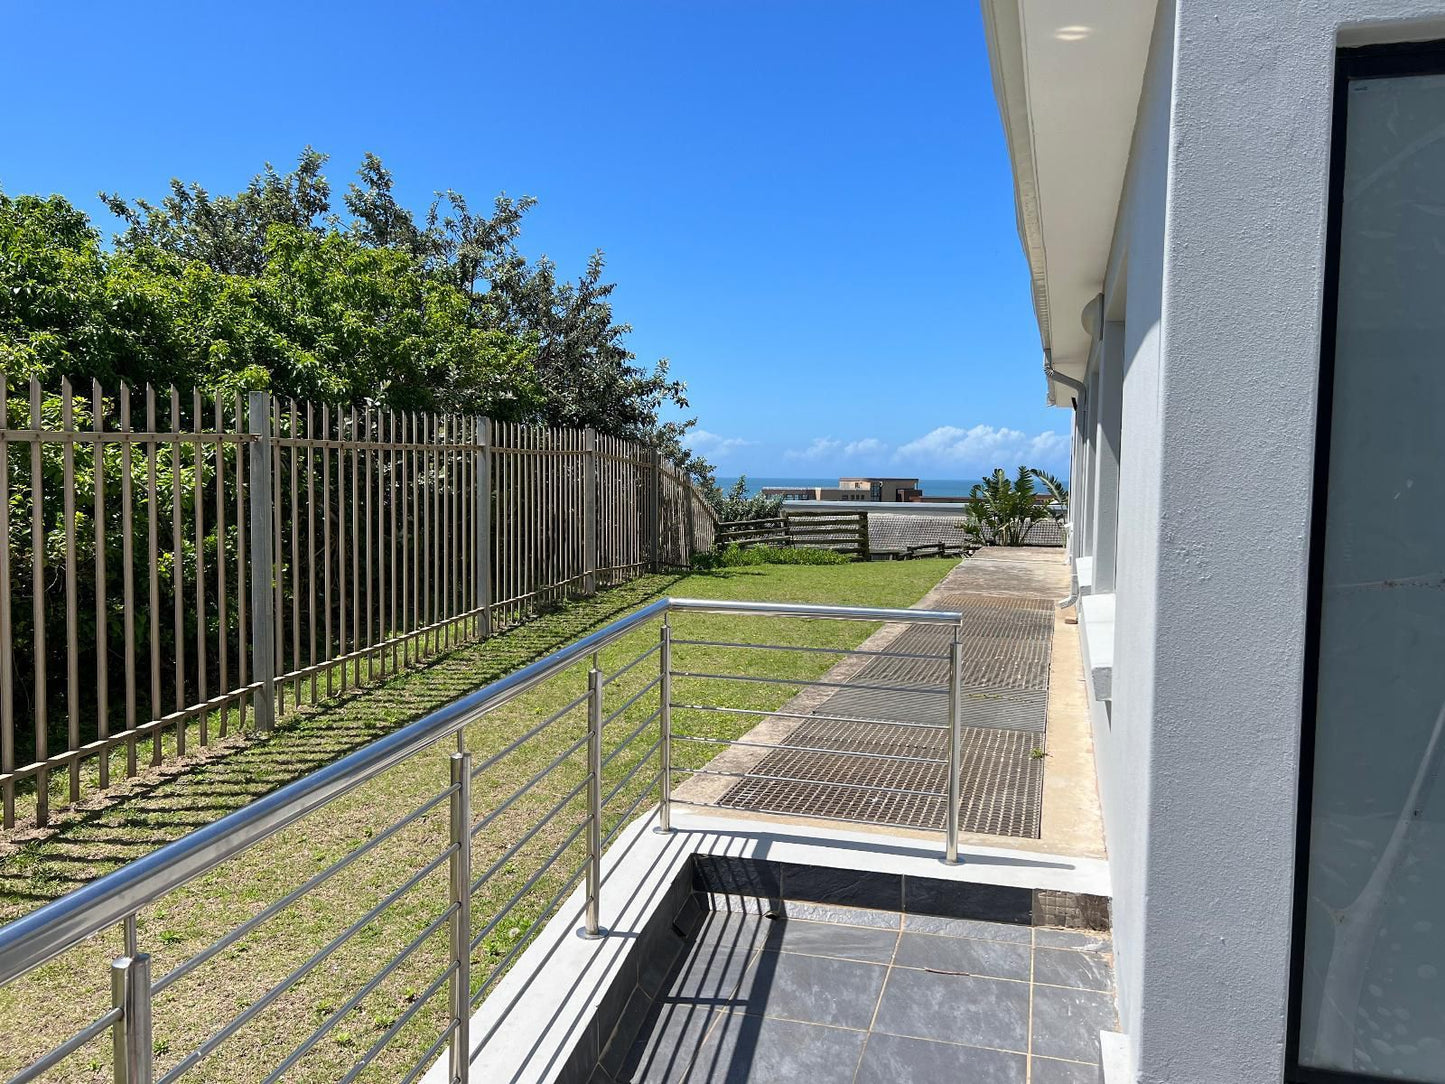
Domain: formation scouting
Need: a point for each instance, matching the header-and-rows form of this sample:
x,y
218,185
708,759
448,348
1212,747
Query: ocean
x,y
932,487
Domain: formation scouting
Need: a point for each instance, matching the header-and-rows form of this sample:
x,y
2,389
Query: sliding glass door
x,y
1369,982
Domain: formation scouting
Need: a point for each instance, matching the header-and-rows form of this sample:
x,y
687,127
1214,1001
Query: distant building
x,y
891,490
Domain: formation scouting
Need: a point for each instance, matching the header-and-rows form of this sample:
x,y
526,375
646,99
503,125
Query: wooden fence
x,y
173,568
844,532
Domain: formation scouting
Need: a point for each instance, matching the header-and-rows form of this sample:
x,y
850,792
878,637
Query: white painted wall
x,y
1223,219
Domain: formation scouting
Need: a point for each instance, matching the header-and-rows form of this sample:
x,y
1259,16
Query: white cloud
x,y
713,446
821,448
866,446
984,447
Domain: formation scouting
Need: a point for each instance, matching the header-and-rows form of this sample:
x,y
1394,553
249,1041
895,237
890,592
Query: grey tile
x,y
847,887
965,1009
831,939
671,1036
616,1045
1047,937
845,916
813,989
1067,1022
892,1059
1068,967
725,903
996,959
960,899
657,948
969,927
711,966
734,875
744,1049
1047,1071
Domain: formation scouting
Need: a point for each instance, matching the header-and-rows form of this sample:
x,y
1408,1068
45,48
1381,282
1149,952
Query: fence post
x,y
654,510
863,544
263,570
589,514
484,523
664,803
955,743
130,992
461,932
594,801
690,545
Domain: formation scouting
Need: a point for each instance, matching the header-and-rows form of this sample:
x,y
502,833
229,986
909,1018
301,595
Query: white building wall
x,y
1224,221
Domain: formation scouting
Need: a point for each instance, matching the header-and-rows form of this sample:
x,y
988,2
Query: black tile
x,y
744,1049
1068,967
813,989
1048,1071
893,1059
850,888
627,1028
737,876
964,1009
657,949
670,1037
958,899
830,939
996,959
1067,1023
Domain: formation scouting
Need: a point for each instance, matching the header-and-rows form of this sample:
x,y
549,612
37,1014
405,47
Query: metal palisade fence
x,y
176,567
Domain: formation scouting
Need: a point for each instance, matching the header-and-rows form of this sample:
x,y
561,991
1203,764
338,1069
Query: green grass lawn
x,y
69,992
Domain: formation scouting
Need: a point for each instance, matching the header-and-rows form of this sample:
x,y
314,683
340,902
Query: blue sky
x,y
806,203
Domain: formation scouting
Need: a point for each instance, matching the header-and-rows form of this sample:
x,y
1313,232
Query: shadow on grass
x,y
150,810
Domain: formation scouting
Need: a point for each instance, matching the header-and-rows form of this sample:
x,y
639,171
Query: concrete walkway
x,y
1027,758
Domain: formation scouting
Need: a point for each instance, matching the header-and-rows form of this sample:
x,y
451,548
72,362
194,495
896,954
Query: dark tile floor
x,y
941,1000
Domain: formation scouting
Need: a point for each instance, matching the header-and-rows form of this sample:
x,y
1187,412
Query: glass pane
x,y
1374,982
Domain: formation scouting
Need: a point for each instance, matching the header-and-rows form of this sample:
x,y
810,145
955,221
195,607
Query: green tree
x,y
736,504
1058,492
1001,510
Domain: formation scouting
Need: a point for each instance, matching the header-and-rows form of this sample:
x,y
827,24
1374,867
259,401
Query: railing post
x,y
589,514
461,901
484,523
263,572
594,801
955,741
664,804
130,992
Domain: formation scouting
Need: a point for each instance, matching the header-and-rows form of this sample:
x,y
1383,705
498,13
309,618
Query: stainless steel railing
x,y
115,899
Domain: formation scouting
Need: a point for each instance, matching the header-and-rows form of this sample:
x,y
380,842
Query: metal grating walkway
x,y
1006,646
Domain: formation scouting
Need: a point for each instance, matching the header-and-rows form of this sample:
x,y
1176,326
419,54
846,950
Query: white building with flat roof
x,y
1234,218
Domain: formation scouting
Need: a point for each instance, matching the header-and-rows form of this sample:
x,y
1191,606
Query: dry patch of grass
x,y
69,992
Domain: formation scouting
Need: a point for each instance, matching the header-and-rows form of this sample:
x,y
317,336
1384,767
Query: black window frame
x,y
1351,65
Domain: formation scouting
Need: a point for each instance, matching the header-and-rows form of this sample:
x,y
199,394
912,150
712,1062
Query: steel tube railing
x,y
116,898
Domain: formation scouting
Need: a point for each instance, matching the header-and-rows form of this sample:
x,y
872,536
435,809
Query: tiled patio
x,y
761,999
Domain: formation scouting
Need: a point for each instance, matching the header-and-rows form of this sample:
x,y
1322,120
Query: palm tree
x,y
1002,512
1058,492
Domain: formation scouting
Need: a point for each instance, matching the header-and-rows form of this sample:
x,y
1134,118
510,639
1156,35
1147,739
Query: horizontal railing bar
x,y
422,1063
815,684
241,1019
401,1022
357,998
526,787
811,749
818,650
511,852
641,797
220,945
542,870
872,721
528,735
627,741
798,609
634,698
813,782
653,650
642,761
65,1049
808,816
542,915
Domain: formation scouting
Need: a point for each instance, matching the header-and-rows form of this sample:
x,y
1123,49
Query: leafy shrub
x,y
734,556
735,504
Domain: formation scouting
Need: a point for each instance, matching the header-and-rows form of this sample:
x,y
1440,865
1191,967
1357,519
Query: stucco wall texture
x,y
1221,231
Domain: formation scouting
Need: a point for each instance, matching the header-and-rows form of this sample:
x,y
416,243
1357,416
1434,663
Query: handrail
x,y
57,926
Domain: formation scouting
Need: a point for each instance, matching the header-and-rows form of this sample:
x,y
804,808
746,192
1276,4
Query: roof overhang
x,y
1067,74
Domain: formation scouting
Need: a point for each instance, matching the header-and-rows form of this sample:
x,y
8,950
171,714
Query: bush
x,y
734,556
735,504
